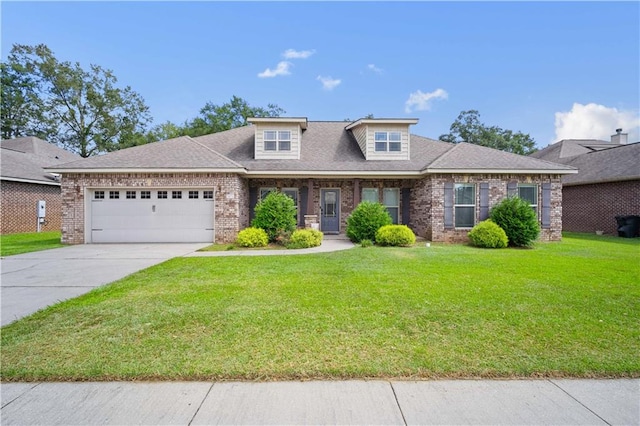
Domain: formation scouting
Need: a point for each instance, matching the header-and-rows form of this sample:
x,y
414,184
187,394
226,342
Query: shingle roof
x,y
326,147
618,163
25,158
568,148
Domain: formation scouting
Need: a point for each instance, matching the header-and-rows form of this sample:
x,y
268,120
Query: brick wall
x,y
231,198
590,208
18,207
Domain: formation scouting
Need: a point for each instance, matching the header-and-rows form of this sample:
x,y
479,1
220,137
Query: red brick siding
x,y
590,208
18,206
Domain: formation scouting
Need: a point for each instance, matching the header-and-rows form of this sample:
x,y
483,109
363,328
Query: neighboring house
x,y
24,182
205,188
607,184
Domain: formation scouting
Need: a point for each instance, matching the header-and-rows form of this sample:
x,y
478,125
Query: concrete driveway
x,y
33,281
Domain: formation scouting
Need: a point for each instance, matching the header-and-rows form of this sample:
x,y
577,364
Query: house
x,y
24,182
204,188
607,183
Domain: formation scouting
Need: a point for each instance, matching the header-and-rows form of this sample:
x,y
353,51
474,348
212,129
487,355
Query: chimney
x,y
619,138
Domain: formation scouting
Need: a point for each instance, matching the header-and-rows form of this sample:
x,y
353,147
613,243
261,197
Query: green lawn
x,y
25,243
569,309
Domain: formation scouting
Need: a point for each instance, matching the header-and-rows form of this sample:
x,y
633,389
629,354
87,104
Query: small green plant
x,y
487,234
395,235
366,243
518,219
305,238
252,237
276,214
365,220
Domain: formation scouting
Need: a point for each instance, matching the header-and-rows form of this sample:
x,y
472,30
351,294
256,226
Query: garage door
x,y
158,216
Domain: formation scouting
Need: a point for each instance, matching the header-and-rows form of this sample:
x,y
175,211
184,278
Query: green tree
x,y
164,131
18,112
468,128
80,109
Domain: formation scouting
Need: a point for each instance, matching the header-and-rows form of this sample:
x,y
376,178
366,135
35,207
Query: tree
x,y
468,128
79,109
18,102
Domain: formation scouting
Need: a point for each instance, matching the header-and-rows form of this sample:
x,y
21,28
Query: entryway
x,y
330,211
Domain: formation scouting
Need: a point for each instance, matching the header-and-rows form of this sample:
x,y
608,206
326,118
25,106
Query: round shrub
x,y
305,238
518,220
365,220
276,214
395,235
487,234
252,237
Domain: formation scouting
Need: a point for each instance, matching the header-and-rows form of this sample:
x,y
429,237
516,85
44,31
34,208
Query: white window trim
x,y
267,190
371,189
279,139
387,206
387,141
535,187
456,205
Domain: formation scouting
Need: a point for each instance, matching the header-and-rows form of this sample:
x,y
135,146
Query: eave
x,y
502,171
38,182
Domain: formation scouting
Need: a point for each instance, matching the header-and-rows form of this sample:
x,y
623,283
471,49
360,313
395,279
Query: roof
x,y
328,148
568,148
617,163
24,160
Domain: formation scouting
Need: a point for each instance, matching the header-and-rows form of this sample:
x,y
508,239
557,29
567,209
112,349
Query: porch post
x,y
356,192
310,209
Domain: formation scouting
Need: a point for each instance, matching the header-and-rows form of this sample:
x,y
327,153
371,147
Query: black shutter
x,y
484,201
406,205
512,188
304,194
253,200
448,205
545,217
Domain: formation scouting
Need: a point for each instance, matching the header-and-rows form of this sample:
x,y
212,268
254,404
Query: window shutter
x,y
304,194
484,201
448,205
253,200
406,205
546,206
512,188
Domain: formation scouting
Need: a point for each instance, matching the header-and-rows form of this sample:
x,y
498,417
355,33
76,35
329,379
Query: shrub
x,y
305,238
365,220
395,235
487,234
276,214
518,220
366,243
252,237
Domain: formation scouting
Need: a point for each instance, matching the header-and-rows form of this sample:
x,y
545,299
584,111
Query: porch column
x,y
356,192
310,208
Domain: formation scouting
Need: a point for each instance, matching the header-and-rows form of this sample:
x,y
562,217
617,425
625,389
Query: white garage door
x,y
156,215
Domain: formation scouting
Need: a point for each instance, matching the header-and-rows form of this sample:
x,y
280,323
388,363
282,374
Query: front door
x,y
330,211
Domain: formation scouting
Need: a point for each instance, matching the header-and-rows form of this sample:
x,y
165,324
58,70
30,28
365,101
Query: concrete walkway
x,y
330,243
516,402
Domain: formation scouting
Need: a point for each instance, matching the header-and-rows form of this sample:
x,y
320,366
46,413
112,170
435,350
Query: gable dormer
x,y
278,138
383,138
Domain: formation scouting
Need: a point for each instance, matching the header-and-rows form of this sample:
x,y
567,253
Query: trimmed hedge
x,y
276,214
252,237
518,220
487,234
305,238
395,235
365,220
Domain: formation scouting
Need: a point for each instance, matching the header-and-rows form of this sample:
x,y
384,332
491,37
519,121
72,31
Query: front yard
x,y
29,242
562,309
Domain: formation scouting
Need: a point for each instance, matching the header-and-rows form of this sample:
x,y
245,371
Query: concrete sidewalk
x,y
522,402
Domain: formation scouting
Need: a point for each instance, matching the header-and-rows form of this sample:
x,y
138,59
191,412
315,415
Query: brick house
x,y
607,183
204,188
24,182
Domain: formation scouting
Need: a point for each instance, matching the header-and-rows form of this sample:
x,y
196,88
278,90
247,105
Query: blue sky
x,y
553,70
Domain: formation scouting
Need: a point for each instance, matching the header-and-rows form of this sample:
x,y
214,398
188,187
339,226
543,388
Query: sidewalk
x,y
521,402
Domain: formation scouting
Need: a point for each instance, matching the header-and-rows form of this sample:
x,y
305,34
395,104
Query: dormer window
x,y
277,140
388,141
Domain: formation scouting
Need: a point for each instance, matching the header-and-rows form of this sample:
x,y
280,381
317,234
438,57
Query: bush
x,y
276,214
252,237
366,243
395,235
518,220
365,220
305,238
487,234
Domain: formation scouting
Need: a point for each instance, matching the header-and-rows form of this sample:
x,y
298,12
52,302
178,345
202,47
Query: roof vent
x,y
619,138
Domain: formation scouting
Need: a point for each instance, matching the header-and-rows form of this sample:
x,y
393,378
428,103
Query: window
x,y
529,193
193,195
293,193
465,205
98,195
388,141
114,195
277,140
176,195
264,192
391,200
162,195
145,195
370,194
207,195
131,195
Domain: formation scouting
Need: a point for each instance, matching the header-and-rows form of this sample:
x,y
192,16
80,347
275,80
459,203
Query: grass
x,y
234,246
25,243
569,309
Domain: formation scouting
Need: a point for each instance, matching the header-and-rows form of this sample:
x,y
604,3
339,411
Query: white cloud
x,y
593,121
297,54
419,101
328,83
375,69
281,69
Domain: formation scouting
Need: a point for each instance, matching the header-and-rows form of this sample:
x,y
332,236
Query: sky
x,y
554,70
